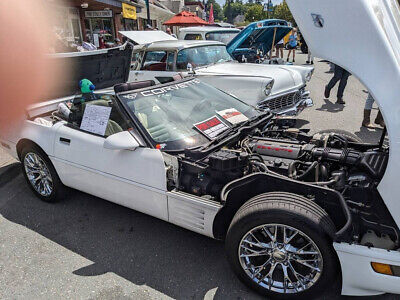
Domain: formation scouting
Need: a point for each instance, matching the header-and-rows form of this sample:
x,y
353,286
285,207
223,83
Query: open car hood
x,y
148,36
104,68
363,37
259,35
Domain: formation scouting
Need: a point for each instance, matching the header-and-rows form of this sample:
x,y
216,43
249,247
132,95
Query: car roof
x,y
208,29
179,44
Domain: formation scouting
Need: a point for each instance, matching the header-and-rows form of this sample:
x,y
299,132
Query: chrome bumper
x,y
303,101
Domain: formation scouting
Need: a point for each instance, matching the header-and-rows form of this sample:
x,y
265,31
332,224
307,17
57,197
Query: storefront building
x,y
94,21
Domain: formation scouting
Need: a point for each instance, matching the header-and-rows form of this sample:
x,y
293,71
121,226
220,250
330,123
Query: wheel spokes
x,y
280,258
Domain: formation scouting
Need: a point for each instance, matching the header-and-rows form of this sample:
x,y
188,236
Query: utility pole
x,y
269,4
148,12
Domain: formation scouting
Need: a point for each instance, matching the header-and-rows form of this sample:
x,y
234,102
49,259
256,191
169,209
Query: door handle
x,y
65,141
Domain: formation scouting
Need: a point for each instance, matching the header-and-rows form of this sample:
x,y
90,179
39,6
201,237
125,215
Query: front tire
x,y
279,245
40,174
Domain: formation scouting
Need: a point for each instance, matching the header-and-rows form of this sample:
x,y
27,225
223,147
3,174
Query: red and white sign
x,y
232,115
211,127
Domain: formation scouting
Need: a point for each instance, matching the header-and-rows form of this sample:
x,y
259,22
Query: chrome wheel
x,y
280,258
38,174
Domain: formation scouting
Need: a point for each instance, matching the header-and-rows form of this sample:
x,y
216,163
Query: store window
x,y
66,25
100,31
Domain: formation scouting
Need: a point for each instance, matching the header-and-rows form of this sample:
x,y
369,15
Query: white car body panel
x,y
358,276
191,212
132,178
147,36
203,30
369,48
285,78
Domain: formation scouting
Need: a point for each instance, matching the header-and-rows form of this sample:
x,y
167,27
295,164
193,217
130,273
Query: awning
x,y
185,18
147,36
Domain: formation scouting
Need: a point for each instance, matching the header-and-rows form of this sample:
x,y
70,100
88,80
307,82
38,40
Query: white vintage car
x,y
280,88
209,33
297,212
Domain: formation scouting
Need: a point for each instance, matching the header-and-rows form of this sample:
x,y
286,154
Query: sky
x,y
222,2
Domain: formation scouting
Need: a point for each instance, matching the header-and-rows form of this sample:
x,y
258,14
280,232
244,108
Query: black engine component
x,y
343,156
374,162
221,167
226,160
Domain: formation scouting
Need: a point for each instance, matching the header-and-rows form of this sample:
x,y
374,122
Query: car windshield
x,y
186,113
221,36
201,56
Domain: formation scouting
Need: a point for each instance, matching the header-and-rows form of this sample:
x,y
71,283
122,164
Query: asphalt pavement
x,y
87,248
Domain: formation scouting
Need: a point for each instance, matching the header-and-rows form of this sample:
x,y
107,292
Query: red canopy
x,y
185,18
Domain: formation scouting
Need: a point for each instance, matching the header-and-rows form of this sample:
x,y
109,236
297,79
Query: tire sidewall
x,y
54,196
320,238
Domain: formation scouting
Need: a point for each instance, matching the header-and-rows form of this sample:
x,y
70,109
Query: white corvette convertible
x,y
297,212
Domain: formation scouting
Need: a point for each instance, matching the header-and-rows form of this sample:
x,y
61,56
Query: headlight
x,y
268,88
309,75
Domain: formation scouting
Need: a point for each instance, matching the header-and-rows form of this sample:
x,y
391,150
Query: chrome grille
x,y
282,102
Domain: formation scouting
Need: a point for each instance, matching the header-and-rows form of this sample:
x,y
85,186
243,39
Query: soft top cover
x,y
259,35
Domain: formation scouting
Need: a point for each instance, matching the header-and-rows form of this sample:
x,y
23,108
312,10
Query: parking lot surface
x,y
88,248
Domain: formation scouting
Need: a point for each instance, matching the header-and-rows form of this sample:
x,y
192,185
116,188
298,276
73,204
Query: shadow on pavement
x,y
331,107
8,173
137,247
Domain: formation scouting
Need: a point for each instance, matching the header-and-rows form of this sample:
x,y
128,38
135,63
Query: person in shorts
x,y
279,49
292,44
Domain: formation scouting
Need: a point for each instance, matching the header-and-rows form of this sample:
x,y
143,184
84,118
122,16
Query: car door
x,y
155,65
132,178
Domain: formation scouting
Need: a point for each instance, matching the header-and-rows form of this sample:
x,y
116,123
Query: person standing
x,y
341,75
310,58
292,44
367,114
279,49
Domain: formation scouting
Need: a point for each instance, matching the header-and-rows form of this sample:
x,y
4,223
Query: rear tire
x,y
40,174
304,224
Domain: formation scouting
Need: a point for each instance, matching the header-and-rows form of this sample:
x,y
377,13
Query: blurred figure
x,y
340,75
310,58
26,73
292,44
279,49
168,30
367,114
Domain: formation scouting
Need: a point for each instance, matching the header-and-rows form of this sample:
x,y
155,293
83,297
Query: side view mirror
x,y
121,141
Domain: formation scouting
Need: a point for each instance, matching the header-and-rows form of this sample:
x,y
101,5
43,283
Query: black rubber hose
x,y
347,214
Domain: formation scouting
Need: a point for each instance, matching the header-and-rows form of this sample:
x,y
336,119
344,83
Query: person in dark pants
x,y
341,75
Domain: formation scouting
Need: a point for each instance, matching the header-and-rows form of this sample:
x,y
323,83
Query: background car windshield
x,y
168,113
224,37
201,56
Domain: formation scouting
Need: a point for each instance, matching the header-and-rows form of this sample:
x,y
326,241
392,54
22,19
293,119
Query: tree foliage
x,y
233,9
218,13
255,12
282,11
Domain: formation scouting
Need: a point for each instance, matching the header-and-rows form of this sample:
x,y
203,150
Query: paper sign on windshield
x,y
211,127
95,119
232,115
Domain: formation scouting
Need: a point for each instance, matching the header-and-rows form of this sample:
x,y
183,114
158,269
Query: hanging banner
x,y
128,11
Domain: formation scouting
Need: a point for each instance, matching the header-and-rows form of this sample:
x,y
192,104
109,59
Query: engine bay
x,y
333,160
